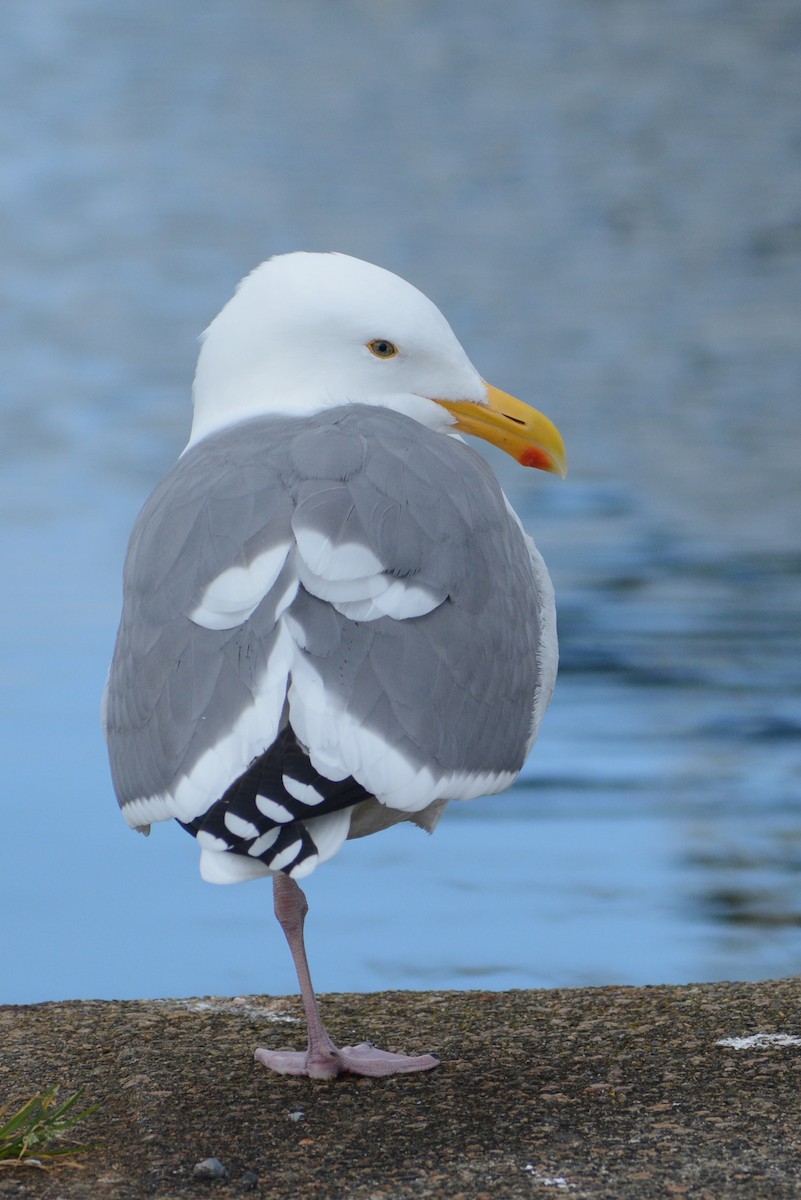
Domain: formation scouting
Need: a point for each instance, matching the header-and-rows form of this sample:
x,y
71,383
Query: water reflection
x,y
617,243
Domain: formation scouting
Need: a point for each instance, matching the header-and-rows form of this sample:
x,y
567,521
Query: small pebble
x,y
210,1168
297,1114
249,1180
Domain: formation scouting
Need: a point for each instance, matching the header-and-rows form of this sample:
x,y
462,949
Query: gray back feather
x,y
452,688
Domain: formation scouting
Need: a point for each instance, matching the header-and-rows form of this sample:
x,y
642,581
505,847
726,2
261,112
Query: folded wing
x,y
354,583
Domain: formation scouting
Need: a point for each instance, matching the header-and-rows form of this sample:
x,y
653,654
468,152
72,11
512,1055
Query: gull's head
x,y
306,332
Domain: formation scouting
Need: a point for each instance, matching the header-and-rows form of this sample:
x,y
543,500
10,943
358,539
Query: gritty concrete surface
x,y
601,1093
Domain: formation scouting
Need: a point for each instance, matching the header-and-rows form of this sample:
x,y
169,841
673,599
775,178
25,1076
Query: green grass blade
x,y
28,1114
30,1133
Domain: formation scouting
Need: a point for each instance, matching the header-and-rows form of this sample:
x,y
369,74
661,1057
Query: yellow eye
x,y
381,348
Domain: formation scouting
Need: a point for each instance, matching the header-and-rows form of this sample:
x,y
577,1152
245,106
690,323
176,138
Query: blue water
x,y
604,201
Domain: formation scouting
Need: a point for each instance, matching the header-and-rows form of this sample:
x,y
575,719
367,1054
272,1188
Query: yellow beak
x,y
513,426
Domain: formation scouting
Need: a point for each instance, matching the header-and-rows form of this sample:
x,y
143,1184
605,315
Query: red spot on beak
x,y
533,457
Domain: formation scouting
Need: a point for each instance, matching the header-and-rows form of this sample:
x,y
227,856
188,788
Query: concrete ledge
x,y
601,1093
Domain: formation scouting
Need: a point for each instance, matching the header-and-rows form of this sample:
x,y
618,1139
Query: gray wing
x,y
353,574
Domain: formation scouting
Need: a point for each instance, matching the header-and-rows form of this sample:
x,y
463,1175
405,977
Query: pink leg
x,y
322,1059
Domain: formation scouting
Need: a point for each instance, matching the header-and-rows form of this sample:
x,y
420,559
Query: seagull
x,y
332,618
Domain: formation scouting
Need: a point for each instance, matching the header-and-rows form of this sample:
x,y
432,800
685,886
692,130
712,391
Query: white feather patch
x,y
368,597
401,600
239,826
334,590
264,842
306,867
285,857
273,810
304,792
236,593
332,560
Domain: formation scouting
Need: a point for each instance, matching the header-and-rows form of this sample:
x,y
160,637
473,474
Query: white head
x,y
305,332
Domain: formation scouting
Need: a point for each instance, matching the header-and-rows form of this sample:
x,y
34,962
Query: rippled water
x,y
604,201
